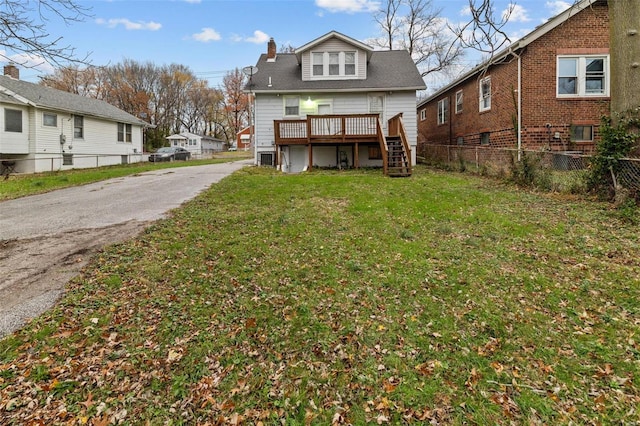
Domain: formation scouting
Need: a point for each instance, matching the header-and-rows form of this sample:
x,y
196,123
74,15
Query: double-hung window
x,y
485,94
459,100
582,76
334,63
318,63
349,63
124,132
443,110
78,126
292,106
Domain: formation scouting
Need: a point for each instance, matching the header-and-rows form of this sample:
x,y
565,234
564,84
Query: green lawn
x,y
20,185
345,297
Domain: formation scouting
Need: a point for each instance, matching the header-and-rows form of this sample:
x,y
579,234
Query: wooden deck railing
x,y
396,128
327,129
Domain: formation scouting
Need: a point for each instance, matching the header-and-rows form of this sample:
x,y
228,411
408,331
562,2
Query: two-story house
x,y
546,91
44,129
335,102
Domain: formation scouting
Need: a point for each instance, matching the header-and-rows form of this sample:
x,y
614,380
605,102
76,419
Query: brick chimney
x,y
271,49
12,71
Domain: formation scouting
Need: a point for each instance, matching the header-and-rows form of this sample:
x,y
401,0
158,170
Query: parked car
x,y
170,153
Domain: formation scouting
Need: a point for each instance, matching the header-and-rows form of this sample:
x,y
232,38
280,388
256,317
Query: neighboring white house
x,y
322,106
44,129
196,144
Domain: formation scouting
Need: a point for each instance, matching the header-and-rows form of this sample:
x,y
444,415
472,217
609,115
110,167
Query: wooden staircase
x,y
398,161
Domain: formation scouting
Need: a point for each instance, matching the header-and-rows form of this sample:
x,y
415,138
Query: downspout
x,y
519,105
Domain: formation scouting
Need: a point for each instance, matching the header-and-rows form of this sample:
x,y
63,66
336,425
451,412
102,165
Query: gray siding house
x,y
335,102
44,129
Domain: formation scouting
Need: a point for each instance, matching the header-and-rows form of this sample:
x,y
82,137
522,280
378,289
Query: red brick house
x,y
547,90
243,138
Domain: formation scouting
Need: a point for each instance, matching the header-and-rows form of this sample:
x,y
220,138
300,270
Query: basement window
x,y
582,133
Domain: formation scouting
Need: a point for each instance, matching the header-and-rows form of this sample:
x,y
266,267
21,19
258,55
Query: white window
x,y
12,120
78,126
423,114
350,63
376,105
124,132
291,106
334,63
485,94
583,76
318,63
443,110
459,99
49,120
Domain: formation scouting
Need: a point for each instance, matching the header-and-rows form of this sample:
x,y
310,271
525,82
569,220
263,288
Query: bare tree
x,y
415,25
484,32
23,31
236,102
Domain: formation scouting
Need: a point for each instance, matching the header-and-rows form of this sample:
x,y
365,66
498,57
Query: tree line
x,y
169,97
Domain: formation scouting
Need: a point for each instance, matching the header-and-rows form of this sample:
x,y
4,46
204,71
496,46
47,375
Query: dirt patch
x,y
34,272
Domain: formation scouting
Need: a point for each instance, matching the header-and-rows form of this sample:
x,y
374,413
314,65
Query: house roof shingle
x,y
387,70
23,92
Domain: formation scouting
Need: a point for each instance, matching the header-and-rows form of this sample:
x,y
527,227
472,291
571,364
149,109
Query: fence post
x,y
477,159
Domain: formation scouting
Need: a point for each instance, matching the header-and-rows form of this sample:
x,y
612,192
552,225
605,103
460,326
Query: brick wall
x,y
546,120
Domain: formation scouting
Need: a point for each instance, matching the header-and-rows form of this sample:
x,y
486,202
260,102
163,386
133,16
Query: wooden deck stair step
x,y
398,165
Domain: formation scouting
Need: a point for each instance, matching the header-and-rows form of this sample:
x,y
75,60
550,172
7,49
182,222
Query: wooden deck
x,y
327,129
353,129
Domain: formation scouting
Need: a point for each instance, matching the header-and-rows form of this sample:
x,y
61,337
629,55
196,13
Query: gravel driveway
x,y
46,239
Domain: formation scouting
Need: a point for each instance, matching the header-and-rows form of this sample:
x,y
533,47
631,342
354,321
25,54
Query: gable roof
x,y
26,93
518,45
387,70
334,34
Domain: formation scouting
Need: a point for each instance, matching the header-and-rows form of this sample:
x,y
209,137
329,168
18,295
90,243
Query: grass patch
x,y
21,185
345,297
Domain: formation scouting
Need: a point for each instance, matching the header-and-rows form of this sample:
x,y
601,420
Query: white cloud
x,y
557,6
193,1
129,25
258,37
349,6
26,62
518,13
207,35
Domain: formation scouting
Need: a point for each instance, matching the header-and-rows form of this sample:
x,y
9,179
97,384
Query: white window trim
x,y
482,97
582,72
423,114
284,106
341,65
442,111
459,93
52,115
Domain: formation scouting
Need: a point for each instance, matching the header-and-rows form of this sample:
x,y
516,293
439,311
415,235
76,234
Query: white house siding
x,y
271,107
405,102
335,45
14,142
98,147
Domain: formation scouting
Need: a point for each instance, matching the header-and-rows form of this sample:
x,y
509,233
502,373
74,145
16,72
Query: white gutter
x,y
519,105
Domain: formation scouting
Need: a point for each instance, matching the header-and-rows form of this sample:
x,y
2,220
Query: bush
x,y
618,138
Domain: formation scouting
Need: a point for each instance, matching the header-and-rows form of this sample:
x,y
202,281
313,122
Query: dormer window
x,y
333,64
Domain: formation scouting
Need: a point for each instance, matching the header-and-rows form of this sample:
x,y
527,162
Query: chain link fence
x,y
556,171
